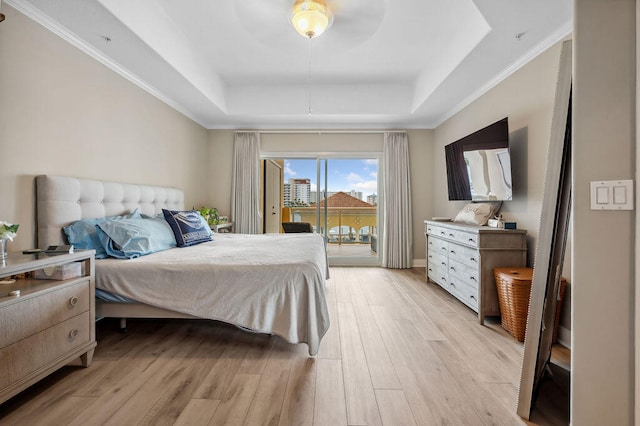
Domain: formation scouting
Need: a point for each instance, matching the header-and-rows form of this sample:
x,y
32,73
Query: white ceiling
x,y
240,64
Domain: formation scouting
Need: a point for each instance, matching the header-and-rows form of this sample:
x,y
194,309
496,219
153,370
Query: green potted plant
x,y
210,214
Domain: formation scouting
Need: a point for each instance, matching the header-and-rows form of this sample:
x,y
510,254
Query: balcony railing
x,y
345,224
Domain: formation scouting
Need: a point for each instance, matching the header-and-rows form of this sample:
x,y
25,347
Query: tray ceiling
x,y
240,64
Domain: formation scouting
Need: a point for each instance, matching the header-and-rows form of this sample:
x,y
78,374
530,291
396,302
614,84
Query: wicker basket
x,y
514,291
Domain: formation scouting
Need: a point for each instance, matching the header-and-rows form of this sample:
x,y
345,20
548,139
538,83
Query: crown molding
x,y
61,31
545,44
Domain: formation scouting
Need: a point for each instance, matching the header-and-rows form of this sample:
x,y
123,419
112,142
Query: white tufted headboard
x,y
61,200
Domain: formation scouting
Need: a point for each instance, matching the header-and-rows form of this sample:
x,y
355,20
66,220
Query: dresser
x,y
461,258
44,323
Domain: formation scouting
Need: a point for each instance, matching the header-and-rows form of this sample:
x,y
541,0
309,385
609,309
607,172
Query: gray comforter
x,y
266,283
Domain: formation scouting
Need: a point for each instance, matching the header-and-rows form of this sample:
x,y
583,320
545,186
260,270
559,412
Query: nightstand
x,y
223,227
51,322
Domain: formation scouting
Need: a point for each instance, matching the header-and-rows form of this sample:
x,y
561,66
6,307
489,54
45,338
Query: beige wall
x,y
63,113
420,148
527,98
604,148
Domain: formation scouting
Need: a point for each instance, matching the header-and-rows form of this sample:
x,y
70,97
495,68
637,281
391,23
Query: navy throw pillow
x,y
188,226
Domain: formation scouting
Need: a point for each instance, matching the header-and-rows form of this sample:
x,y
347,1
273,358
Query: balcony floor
x,y
350,250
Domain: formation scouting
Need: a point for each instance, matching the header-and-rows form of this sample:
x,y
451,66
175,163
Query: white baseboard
x,y
564,337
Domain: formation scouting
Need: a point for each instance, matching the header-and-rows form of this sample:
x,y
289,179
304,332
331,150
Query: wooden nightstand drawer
x,y
30,315
49,323
28,355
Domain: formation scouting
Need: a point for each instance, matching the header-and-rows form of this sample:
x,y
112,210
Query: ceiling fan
x,y
350,21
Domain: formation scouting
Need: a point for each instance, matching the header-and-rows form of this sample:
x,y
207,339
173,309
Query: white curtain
x,y
397,241
245,202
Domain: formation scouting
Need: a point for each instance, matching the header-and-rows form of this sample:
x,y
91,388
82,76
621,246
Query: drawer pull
x,y
451,235
472,297
452,252
442,233
443,248
452,285
473,259
430,270
74,301
473,278
73,334
451,267
443,263
472,240
430,257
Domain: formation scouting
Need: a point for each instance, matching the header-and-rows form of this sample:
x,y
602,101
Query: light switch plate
x,y
612,195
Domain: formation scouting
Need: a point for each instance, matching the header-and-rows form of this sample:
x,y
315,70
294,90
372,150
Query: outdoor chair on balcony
x,y
296,227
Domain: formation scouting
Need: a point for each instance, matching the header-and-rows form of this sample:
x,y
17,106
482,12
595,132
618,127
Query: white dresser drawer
x,y
469,295
464,293
28,316
461,237
466,255
454,288
436,231
438,246
452,234
437,273
469,275
438,258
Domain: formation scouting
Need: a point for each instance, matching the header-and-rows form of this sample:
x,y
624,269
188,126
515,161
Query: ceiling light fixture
x,y
310,18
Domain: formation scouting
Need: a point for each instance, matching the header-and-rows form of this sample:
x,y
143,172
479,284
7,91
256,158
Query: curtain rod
x,y
305,131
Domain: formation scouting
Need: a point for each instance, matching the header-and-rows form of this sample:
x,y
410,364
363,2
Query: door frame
x,y
265,185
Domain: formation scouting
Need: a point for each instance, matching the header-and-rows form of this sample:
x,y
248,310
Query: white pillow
x,y
477,213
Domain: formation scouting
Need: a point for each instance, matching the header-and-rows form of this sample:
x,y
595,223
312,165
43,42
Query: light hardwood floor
x,y
399,351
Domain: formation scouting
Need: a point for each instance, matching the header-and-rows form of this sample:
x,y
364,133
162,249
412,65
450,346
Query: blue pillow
x,y
130,238
189,227
82,234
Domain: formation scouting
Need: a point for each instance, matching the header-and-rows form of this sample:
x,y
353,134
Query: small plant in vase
x,y
8,232
210,214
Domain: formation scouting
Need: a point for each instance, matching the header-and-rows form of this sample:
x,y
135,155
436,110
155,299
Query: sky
x,y
343,174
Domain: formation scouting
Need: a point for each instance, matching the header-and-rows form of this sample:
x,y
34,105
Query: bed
x,y
263,283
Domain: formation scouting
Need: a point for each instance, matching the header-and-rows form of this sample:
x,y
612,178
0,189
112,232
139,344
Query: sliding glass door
x,y
338,196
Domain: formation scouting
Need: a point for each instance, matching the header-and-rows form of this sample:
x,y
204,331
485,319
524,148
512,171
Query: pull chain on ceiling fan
x,y
310,18
309,81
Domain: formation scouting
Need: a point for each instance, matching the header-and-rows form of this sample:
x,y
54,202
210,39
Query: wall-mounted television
x,y
479,165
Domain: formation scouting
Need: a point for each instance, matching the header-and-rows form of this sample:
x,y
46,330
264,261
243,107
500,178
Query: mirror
x,y
551,245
